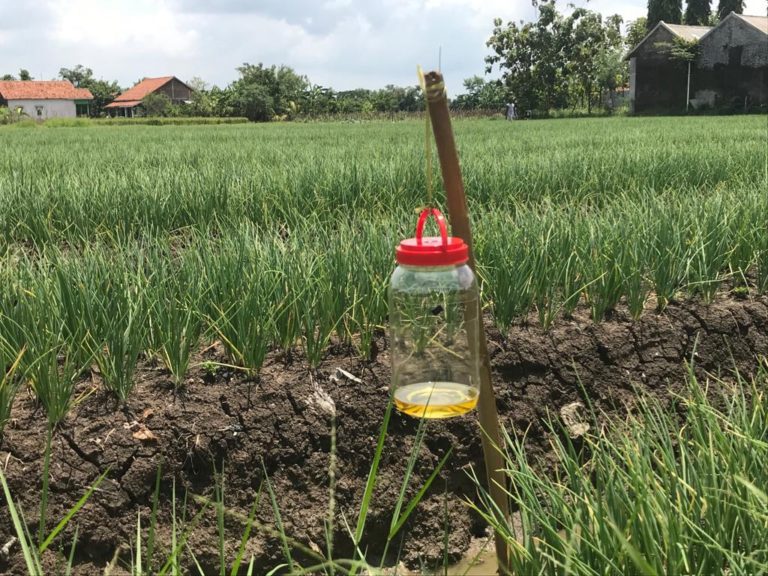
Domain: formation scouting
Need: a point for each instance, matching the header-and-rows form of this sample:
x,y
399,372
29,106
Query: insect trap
x,y
434,318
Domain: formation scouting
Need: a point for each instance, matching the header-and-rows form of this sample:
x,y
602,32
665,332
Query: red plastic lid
x,y
440,250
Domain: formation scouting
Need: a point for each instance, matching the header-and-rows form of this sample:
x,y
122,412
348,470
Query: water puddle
x,y
479,561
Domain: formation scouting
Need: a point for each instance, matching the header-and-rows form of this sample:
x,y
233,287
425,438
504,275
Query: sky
x,y
343,44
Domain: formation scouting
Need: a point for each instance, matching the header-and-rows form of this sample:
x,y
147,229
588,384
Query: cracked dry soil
x,y
225,421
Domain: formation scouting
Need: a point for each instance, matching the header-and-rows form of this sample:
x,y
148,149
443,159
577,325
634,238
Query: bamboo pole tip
x,y
433,77
434,85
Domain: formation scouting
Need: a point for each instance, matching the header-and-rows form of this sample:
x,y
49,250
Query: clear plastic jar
x,y
434,316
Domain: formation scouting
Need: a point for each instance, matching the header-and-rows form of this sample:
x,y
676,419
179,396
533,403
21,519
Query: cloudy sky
x,y
340,43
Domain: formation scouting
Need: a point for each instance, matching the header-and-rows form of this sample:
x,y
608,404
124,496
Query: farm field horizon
x,y
182,296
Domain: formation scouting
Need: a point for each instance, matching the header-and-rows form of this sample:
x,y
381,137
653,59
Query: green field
x,y
119,244
140,231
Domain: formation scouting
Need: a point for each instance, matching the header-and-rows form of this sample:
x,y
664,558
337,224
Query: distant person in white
x,y
511,113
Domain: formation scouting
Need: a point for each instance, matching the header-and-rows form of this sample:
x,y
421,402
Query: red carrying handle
x,y
439,218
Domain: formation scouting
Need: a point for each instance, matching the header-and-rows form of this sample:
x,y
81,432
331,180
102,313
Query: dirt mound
x,y
280,422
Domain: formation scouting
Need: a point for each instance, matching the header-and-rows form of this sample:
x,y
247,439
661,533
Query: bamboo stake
x,y
459,219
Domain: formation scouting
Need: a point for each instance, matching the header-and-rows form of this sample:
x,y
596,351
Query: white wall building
x,y
41,100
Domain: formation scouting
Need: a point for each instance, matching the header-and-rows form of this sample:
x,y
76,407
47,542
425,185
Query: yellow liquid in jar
x,y
435,399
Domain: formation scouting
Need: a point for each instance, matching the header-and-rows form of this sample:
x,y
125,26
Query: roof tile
x,y
138,92
759,22
42,90
688,32
124,104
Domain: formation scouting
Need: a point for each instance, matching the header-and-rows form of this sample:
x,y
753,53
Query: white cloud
x,y
335,4
480,13
364,45
138,26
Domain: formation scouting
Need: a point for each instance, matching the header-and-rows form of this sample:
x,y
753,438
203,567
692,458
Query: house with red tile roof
x,y
129,102
41,99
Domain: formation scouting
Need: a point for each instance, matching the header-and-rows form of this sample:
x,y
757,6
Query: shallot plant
x,y
662,491
120,331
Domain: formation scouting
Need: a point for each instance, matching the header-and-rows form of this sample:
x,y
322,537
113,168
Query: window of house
x,y
39,110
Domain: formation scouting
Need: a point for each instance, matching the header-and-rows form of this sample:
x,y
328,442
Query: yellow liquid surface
x,y
435,399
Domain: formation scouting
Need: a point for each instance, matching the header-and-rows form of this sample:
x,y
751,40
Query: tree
x,y
592,44
318,101
25,75
103,91
530,57
697,12
8,77
80,76
253,101
220,99
685,52
201,104
481,95
386,100
671,11
725,7
636,31
612,31
558,60
612,73
354,101
263,93
392,99
156,104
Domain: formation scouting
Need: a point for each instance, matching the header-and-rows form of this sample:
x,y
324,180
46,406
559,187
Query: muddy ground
x,y
279,422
